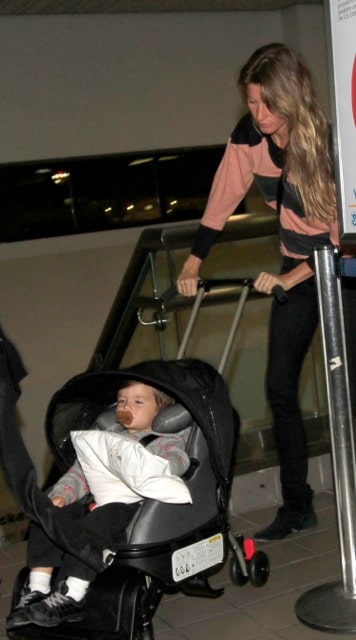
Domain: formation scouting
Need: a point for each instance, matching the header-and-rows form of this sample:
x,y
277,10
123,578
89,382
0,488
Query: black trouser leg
x,y
110,520
292,326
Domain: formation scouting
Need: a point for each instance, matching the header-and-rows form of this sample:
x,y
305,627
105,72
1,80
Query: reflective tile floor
x,y
298,563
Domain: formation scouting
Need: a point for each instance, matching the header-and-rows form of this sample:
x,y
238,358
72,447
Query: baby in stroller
x,y
117,469
168,546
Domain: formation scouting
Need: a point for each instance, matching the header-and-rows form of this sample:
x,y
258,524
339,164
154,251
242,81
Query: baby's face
x,y
136,407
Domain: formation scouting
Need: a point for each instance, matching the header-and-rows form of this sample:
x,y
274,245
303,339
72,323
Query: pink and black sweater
x,y
252,156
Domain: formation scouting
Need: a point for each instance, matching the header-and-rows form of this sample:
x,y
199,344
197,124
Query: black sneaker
x,y
287,522
18,616
56,608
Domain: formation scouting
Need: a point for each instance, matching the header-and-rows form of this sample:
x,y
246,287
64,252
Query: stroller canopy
x,y
193,383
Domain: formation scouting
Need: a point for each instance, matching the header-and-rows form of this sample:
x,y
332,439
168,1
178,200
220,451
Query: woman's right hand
x,y
187,281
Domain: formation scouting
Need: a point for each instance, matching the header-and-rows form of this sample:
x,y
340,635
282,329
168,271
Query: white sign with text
x,y
342,16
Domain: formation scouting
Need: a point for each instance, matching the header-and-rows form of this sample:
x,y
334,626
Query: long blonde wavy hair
x,y
287,90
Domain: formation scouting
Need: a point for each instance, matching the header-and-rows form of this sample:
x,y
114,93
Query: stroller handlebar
x,y
172,292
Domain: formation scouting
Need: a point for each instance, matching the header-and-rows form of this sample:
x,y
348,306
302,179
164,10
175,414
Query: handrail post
x,y
332,607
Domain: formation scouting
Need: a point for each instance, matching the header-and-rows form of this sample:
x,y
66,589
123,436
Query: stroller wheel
x,y
258,569
236,574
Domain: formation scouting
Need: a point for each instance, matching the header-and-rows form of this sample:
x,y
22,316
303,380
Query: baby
x,y
117,470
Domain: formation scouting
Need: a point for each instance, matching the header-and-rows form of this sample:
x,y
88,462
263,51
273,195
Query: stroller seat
x,y
155,521
166,546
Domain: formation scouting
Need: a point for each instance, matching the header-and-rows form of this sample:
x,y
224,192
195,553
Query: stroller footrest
x,y
200,587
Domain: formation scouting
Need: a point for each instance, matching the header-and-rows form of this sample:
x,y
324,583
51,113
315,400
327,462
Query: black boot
x,y
286,522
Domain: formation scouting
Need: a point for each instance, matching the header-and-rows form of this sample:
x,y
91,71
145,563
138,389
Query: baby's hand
x,y
58,501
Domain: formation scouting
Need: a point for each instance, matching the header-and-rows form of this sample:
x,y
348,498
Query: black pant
x,y
110,520
292,326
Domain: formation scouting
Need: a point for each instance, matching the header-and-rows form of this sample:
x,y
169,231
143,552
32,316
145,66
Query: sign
x,y
342,46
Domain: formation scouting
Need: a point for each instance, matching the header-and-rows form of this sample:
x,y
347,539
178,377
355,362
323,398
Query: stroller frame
x,y
131,589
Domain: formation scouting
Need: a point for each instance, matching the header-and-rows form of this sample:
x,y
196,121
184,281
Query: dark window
x,y
120,192
62,197
35,202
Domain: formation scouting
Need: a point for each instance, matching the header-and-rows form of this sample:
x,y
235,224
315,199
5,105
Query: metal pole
x,y
191,321
332,607
234,327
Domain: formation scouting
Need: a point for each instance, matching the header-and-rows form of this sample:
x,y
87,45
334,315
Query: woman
x,y
283,144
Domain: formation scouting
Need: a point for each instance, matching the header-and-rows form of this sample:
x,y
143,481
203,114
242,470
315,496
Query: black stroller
x,y
168,548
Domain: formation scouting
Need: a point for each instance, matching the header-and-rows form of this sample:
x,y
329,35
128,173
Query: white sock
x,y
40,581
77,588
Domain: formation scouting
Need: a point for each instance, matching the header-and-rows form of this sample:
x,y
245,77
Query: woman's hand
x,y
187,281
266,282
58,501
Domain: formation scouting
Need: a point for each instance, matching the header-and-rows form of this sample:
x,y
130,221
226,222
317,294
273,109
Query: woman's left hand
x,y
265,283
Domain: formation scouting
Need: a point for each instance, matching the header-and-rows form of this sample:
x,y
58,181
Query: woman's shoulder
x,y
245,132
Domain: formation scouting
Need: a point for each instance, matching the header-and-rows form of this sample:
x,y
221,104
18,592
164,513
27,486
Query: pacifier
x,y
125,417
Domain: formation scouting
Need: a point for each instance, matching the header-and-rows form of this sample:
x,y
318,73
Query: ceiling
x,y
33,7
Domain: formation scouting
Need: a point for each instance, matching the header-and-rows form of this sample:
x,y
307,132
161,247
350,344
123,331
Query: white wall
x,y
304,29
55,297
91,84
76,85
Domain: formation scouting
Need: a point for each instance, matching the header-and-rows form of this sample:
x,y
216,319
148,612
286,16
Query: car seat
x,y
166,547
